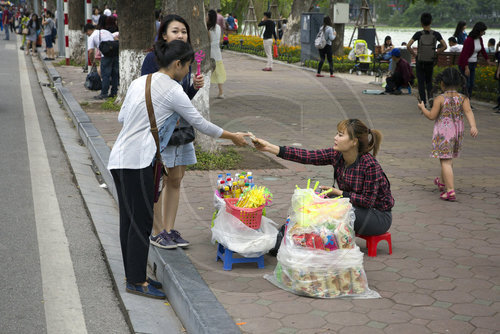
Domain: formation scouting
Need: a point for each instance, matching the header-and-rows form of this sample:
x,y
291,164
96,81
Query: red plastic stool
x,y
373,240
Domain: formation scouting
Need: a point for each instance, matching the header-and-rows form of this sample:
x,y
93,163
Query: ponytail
x,y
166,53
375,141
368,139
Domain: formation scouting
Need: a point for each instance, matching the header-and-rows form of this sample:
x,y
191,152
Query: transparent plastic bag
x,y
320,273
236,236
318,256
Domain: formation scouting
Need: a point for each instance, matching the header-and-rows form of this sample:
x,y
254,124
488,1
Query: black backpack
x,y
93,80
427,46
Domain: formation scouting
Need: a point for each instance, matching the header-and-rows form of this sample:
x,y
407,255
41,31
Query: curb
x,y
192,300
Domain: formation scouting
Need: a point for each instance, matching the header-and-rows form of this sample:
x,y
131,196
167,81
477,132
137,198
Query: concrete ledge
x,y
193,301
100,154
51,71
87,132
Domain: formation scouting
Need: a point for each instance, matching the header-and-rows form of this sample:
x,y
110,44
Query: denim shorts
x,y
181,155
48,41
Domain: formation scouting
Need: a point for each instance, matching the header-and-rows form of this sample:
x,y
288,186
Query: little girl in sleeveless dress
x,y
448,112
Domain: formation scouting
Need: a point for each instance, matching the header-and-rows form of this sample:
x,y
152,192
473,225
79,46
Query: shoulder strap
x,y
151,114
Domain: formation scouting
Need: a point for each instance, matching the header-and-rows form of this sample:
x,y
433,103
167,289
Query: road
x,y
53,277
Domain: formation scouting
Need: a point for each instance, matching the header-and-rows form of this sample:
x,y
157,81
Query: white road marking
x,y
63,308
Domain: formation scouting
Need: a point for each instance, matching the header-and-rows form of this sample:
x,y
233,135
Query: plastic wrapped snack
x,y
318,256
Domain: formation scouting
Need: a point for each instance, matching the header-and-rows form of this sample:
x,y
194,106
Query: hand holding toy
x,y
198,57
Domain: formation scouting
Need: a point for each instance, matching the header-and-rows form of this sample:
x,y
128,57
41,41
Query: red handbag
x,y
275,51
158,167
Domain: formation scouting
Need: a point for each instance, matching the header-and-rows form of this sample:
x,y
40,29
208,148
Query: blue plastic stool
x,y
227,258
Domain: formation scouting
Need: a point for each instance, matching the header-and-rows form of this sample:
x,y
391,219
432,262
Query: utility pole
x,y
60,28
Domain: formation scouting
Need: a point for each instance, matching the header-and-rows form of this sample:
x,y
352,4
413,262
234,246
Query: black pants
x,y
424,77
135,199
394,82
498,98
110,73
371,221
326,51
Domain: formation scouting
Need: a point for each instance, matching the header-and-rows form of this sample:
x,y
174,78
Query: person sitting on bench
x,y
402,76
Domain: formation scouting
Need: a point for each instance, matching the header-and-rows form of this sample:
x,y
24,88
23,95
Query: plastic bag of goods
x,y
233,234
318,256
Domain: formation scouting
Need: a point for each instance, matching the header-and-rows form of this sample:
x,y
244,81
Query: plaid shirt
x,y
364,182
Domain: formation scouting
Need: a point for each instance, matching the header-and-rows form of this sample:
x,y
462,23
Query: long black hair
x,y
387,38
212,19
477,29
327,21
37,21
459,29
166,53
166,22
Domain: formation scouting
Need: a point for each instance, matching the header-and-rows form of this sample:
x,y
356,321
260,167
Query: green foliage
x,y
226,158
338,66
110,104
72,62
445,13
240,7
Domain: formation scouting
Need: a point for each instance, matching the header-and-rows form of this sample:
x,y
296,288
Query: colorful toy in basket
x,y
255,197
318,256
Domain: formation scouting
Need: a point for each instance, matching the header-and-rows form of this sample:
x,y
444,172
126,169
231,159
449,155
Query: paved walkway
x,y
444,273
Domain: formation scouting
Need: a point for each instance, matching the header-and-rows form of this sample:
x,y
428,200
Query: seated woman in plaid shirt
x,y
358,174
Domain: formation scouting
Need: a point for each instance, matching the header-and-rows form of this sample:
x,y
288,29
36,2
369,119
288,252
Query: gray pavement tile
x,y
451,326
406,329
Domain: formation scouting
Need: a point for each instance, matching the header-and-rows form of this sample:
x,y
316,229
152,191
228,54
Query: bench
x,y
447,59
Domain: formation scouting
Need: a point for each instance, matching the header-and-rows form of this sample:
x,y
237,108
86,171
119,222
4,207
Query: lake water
x,y
400,35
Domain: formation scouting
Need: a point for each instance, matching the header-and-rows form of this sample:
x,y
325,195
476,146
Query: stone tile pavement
x,y
443,275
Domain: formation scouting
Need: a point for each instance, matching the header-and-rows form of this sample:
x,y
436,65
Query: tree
x,y
136,35
193,11
215,4
291,35
338,42
76,20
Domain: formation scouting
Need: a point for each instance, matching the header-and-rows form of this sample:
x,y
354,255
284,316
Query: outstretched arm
x,y
434,112
265,146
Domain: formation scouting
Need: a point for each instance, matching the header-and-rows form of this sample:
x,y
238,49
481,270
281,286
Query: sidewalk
x,y
443,275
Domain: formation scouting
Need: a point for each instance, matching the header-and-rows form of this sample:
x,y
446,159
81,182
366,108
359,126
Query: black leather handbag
x,y
182,135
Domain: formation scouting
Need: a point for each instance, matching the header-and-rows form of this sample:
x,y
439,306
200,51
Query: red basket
x,y
251,217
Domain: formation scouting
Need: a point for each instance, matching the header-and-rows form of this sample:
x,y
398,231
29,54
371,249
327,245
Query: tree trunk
x,y
193,11
76,20
291,35
214,4
136,35
338,43
52,6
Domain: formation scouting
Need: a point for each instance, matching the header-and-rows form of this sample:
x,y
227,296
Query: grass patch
x,y
84,104
72,62
226,158
111,105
